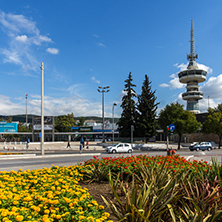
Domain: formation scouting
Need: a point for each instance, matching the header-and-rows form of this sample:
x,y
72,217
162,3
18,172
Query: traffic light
x,y
169,132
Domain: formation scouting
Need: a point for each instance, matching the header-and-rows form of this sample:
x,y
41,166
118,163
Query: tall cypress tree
x,y
128,108
147,106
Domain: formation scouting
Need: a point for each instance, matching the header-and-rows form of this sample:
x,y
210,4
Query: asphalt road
x,y
62,158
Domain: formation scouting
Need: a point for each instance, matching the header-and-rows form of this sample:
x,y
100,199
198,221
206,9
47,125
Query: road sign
x,y
172,127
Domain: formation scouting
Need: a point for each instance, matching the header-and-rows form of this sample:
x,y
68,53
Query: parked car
x,y
201,146
120,148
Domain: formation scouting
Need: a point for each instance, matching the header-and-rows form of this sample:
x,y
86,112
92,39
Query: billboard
x,y
82,129
48,120
8,127
48,123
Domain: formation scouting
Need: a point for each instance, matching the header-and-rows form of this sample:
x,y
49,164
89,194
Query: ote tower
x,y
192,76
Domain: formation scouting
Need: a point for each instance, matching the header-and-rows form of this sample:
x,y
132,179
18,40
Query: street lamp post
x,y
103,90
26,97
114,104
42,108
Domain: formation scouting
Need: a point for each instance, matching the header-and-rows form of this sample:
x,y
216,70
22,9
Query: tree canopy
x,y
128,115
184,121
213,123
147,106
64,123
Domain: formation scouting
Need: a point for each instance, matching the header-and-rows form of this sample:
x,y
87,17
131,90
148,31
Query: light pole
x,y
114,104
42,109
26,97
103,90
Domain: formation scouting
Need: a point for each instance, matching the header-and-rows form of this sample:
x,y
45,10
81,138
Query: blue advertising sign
x,y
172,127
8,127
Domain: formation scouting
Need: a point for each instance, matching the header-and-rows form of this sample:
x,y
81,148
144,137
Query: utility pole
x,y
42,109
103,90
26,97
114,104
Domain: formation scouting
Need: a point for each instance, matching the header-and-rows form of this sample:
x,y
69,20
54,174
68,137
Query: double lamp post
x,y
105,90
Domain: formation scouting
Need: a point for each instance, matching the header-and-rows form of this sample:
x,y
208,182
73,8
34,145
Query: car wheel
x,y
209,149
197,149
114,151
129,151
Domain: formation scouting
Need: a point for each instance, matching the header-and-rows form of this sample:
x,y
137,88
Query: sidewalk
x,y
48,146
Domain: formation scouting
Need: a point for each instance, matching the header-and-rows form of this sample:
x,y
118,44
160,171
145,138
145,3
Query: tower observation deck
x,y
192,76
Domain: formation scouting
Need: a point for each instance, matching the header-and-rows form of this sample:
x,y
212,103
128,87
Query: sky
x,y
85,44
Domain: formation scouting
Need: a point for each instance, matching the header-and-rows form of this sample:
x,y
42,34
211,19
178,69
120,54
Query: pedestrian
x,y
27,144
87,144
82,142
68,145
80,148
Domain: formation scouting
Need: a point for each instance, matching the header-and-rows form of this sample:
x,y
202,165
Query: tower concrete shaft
x,y
192,76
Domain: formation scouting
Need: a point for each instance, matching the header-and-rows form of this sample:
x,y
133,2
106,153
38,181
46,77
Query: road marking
x,y
187,158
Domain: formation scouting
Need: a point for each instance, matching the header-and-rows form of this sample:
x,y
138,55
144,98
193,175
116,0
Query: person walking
x,y
68,145
27,144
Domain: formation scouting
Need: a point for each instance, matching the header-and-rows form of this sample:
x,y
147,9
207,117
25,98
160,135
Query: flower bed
x,y
131,165
163,188
47,195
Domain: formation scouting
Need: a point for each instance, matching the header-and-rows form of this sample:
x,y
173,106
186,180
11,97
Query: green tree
x,y
147,106
213,123
184,121
23,128
64,123
128,114
81,121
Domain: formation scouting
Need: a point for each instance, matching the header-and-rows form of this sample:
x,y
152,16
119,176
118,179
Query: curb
x,y
33,156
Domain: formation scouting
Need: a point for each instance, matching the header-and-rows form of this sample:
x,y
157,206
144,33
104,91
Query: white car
x,y
120,148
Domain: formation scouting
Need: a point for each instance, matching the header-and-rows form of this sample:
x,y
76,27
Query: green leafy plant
x,y
144,199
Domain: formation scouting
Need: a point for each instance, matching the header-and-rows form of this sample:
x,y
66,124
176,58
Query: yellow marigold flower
x,y
46,211
58,217
101,207
56,183
15,202
94,202
106,214
19,218
4,213
14,190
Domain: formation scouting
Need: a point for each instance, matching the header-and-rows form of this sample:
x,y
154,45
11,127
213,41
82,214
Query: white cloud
x,y
20,29
175,83
183,66
213,87
52,106
95,80
44,39
164,85
74,89
22,38
53,51
101,45
173,76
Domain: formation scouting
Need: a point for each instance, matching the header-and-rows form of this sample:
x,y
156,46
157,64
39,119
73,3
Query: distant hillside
x,y
19,118
97,119
22,118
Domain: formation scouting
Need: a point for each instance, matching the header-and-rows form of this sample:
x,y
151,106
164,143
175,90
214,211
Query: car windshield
x,y
115,144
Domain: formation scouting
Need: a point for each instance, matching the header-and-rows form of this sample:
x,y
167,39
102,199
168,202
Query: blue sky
x,y
86,44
